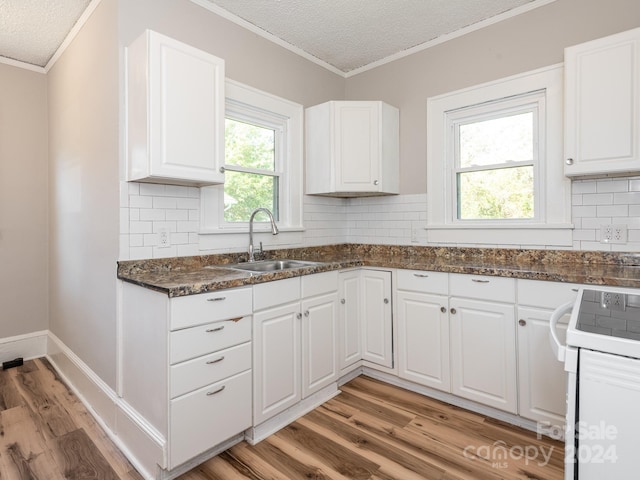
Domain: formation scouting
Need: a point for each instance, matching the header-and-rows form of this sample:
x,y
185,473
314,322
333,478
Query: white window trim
x,y
553,225
291,204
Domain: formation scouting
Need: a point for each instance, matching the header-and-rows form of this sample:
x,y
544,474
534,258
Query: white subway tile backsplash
x,y
137,201
399,219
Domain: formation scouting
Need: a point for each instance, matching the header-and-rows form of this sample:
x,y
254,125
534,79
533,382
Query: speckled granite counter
x,y
191,275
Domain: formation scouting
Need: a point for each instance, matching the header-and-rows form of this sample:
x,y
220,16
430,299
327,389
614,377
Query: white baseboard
x,y
28,346
142,446
451,399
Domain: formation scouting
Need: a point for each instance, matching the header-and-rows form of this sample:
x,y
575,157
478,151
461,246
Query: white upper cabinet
x,y
352,149
175,112
602,106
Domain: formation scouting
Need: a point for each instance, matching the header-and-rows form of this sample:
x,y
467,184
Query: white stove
x,y
602,358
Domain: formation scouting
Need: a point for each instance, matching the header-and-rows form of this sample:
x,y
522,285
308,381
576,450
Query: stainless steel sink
x,y
265,266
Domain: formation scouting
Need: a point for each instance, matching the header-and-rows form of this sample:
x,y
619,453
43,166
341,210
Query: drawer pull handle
x,y
420,275
216,299
217,360
217,329
217,391
574,289
480,281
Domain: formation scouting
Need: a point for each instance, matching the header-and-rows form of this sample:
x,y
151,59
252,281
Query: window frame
x,y
533,102
552,225
246,103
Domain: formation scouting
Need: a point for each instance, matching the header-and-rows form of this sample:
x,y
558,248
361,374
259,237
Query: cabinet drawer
x,y
319,284
202,419
201,371
275,293
421,281
541,294
483,287
197,341
209,307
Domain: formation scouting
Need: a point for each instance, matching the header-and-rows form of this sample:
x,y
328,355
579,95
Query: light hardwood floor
x,y
370,431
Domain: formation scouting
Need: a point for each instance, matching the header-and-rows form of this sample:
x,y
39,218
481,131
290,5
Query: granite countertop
x,y
192,275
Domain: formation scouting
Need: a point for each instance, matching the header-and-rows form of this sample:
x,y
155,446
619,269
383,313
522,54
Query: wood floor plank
x,y
82,418
367,442
371,431
328,452
79,459
24,453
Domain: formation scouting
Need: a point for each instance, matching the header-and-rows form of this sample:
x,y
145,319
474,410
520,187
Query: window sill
x,y
529,234
245,230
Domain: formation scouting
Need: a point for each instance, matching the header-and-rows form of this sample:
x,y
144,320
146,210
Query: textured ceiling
x,y
32,30
349,34
344,35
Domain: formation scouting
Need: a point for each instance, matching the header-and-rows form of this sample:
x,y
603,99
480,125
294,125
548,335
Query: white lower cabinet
x,y
483,352
376,320
349,342
542,379
423,328
189,371
294,344
276,360
423,339
365,319
319,335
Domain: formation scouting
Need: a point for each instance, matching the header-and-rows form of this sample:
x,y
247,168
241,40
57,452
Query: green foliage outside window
x,y
249,147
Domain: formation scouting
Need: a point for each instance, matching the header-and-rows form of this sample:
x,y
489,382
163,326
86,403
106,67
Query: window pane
x,y
244,192
249,146
500,140
505,193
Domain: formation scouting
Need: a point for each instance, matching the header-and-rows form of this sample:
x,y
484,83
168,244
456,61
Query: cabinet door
x,y
483,352
349,342
602,105
319,335
376,320
423,339
542,379
175,112
357,146
276,361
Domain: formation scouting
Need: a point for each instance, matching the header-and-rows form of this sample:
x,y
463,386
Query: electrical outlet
x,y
619,234
164,240
614,301
613,234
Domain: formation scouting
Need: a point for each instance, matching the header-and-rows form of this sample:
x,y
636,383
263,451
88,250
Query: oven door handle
x,y
559,350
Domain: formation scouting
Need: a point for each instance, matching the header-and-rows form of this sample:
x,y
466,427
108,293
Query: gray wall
x,y
23,201
526,42
84,200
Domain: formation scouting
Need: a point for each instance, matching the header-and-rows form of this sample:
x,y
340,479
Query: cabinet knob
x,y
222,169
299,316
522,322
443,309
569,161
376,182
306,314
453,311
343,301
386,301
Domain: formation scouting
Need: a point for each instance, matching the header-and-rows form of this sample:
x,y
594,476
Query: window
x,y
495,159
495,163
252,167
263,166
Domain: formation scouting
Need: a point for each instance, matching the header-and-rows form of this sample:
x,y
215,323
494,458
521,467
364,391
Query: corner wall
x,y
83,202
